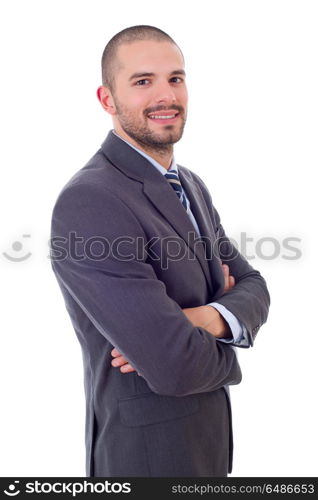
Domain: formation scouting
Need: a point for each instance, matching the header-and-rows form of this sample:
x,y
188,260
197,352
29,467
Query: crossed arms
x,y
206,317
129,305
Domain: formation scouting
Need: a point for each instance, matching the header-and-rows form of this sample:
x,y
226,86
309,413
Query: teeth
x,y
161,117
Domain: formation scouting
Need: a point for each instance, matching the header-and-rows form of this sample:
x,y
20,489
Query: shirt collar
x,y
159,167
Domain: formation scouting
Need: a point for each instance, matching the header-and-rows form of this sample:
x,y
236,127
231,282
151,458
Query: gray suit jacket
x,y
126,263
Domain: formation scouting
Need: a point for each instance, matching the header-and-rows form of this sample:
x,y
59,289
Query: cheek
x,y
130,101
138,101
184,97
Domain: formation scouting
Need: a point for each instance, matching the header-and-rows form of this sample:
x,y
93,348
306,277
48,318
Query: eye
x,y
142,82
176,79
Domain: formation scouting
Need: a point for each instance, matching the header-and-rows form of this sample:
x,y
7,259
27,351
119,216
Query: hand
x,y
121,362
210,319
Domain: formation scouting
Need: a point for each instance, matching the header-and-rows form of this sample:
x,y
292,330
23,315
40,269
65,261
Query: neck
x,y
162,155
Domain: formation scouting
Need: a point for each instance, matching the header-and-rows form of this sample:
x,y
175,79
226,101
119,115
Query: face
x,y
150,95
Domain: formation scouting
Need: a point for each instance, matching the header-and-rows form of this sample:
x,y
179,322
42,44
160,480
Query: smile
x,y
162,117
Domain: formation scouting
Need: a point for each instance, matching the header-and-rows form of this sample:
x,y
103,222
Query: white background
x,y
251,135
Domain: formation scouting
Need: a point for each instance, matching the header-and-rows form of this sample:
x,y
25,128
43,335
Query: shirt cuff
x,y
238,330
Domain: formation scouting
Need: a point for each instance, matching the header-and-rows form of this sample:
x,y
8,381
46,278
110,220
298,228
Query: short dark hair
x,y
128,35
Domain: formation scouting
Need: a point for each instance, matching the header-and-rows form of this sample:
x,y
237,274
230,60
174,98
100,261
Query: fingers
x,y
120,362
229,281
226,274
127,368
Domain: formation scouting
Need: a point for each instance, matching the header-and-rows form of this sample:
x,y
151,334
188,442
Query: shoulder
x,y
94,173
192,177
195,178
97,182
93,201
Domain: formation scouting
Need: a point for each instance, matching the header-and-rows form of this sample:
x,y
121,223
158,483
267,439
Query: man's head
x,y
144,87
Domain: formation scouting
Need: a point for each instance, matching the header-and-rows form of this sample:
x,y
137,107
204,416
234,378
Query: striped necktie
x,y
173,179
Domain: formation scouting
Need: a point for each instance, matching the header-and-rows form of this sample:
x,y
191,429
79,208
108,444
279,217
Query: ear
x,y
106,99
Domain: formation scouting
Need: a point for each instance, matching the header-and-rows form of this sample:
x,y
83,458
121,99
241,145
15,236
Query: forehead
x,y
149,56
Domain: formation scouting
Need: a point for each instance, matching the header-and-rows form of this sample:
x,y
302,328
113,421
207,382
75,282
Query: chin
x,y
169,131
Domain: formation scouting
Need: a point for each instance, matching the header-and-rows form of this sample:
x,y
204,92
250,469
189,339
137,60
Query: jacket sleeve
x,y
249,299
96,254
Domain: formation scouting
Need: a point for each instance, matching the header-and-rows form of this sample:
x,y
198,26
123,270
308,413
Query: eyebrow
x,y
143,75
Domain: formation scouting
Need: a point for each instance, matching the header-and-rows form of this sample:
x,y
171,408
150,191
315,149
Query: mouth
x,y
164,117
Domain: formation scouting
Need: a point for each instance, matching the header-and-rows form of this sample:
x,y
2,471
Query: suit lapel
x,y
202,216
159,192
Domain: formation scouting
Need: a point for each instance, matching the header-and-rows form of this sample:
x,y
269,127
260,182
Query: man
x,y
157,294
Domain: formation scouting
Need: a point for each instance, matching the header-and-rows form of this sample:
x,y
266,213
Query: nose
x,y
164,93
